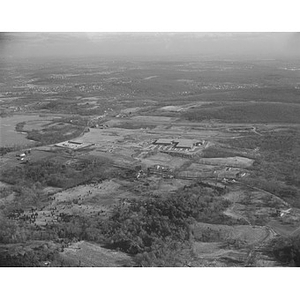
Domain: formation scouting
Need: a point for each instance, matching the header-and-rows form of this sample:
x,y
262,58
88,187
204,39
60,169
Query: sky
x,y
147,45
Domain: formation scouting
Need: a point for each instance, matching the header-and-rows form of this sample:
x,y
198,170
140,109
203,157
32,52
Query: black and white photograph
x,y
149,148
162,137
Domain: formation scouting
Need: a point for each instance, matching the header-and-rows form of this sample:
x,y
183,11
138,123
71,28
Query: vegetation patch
x,y
277,170
248,113
155,226
52,172
286,250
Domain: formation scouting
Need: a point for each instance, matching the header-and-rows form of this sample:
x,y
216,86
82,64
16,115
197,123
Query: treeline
x,y
247,113
71,107
52,136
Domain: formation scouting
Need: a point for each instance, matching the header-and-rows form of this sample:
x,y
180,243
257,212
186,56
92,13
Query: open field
x,y
228,161
164,160
92,255
243,233
103,194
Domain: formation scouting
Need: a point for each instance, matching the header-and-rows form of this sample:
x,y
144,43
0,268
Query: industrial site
x,y
123,163
158,162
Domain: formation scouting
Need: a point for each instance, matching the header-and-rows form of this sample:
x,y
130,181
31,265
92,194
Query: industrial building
x,y
178,143
164,142
185,144
73,145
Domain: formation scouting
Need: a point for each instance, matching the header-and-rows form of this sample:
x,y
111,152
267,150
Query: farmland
x,y
149,163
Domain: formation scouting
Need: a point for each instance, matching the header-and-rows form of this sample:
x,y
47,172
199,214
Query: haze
x,y
147,45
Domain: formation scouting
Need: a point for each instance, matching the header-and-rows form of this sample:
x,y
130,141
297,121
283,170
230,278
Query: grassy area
x,y
212,152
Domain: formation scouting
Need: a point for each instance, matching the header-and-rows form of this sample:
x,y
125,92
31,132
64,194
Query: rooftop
x,y
185,143
164,141
73,145
180,143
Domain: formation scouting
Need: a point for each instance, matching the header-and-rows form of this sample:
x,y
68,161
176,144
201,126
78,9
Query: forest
x,y
151,229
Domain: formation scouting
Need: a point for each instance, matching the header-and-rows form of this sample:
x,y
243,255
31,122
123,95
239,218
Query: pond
x,y
9,136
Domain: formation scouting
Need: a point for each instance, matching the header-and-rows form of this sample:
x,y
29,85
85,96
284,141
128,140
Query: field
x,y
236,161
102,194
92,255
244,233
165,160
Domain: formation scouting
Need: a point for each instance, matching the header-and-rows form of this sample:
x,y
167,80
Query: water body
x,y
9,136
